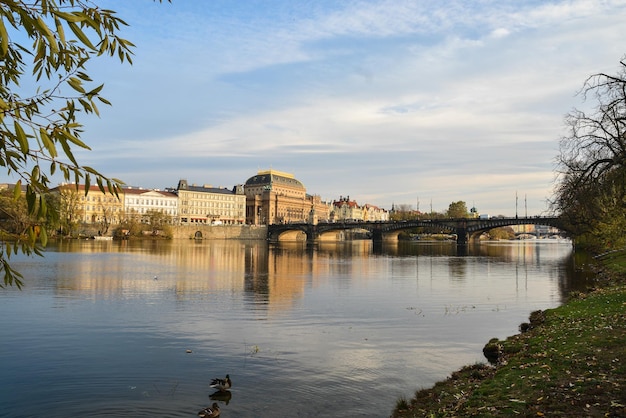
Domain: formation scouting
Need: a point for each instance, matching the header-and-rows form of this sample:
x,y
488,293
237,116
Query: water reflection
x,y
272,276
348,325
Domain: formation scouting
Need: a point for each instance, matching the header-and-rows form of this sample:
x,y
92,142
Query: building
x,y
274,197
139,202
345,209
373,213
210,205
90,206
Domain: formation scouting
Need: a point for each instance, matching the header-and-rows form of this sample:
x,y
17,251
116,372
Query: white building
x,y
348,210
138,202
373,213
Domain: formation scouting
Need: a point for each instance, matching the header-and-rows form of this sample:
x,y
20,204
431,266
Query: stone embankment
x,y
207,232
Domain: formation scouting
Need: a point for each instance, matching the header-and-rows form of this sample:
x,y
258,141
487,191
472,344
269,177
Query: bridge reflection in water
x,y
464,229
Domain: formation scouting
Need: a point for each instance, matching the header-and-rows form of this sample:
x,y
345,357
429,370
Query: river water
x,y
138,329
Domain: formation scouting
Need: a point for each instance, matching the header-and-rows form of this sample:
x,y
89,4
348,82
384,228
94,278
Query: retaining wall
x,y
254,232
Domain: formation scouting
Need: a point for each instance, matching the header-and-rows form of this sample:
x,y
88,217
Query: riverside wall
x,y
207,232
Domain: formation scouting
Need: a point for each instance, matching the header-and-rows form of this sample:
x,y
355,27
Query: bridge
x,y
465,229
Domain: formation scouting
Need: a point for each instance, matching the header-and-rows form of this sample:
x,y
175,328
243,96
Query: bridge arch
x,y
463,228
288,232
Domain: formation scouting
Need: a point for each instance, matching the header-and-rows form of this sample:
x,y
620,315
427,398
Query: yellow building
x,y
91,206
274,197
210,205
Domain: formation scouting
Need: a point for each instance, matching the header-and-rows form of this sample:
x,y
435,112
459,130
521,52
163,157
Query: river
x,y
138,329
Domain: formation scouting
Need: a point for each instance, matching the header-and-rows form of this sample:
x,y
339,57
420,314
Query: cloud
x,y
381,100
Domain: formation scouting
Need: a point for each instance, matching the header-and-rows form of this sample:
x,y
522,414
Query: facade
x,y
274,197
139,202
210,205
269,197
90,206
373,213
348,210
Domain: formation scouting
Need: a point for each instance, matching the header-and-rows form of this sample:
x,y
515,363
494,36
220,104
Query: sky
x,y
418,103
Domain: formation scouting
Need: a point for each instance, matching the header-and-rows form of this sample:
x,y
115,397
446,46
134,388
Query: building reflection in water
x,y
271,277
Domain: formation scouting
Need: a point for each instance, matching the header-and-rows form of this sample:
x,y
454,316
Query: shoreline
x,y
566,361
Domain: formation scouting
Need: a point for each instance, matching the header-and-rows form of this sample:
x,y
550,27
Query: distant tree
x,y
14,216
403,212
104,219
457,210
129,227
590,192
45,46
159,221
52,222
69,210
505,232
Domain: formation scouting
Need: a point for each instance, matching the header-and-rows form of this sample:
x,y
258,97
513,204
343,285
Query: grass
x,y
570,361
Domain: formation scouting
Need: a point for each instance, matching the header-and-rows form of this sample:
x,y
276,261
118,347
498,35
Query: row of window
x,y
98,199
208,196
152,202
228,213
146,210
100,208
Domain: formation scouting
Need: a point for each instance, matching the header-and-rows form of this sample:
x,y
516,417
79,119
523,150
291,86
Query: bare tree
x,y
591,183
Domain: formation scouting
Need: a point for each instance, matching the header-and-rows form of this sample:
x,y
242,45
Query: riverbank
x,y
569,361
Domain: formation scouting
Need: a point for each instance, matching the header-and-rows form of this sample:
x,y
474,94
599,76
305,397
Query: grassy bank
x,y
569,361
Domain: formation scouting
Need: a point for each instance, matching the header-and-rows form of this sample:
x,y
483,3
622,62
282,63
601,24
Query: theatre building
x,y
275,197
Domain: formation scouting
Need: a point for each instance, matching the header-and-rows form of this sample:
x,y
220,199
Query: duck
x,y
212,412
221,384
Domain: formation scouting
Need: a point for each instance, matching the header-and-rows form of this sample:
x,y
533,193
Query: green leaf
x,y
43,236
30,199
74,139
17,190
95,91
100,185
103,100
45,31
73,17
76,84
21,137
66,149
47,143
34,174
60,30
80,35
4,39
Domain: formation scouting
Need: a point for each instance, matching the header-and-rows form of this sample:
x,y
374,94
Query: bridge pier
x,y
461,236
377,235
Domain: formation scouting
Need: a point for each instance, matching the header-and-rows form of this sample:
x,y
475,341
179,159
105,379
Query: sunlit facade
x,y
275,197
92,205
210,205
139,202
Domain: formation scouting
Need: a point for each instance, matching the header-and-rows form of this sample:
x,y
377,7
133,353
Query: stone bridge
x,y
464,229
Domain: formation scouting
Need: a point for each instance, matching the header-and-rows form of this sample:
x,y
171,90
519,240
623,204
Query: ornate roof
x,y
269,177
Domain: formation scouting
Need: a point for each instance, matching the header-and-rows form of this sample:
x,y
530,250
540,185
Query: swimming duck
x,y
221,384
212,412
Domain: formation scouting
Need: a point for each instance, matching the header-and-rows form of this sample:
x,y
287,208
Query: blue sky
x,y
385,101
